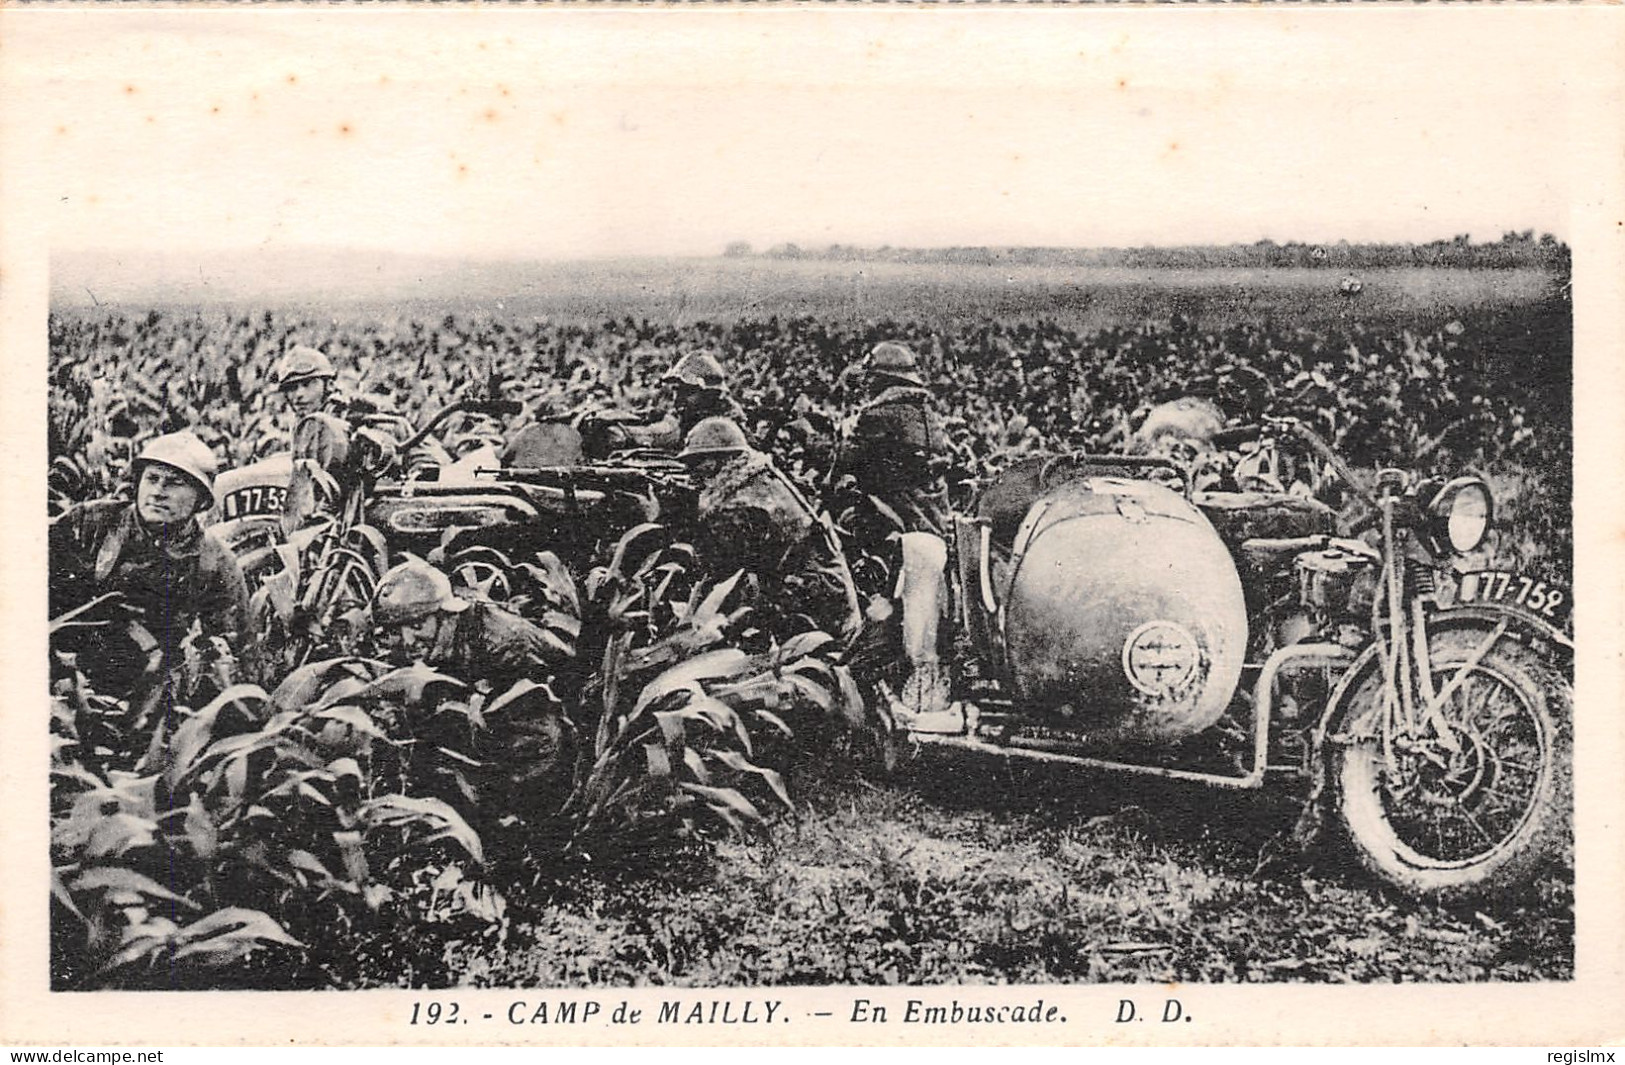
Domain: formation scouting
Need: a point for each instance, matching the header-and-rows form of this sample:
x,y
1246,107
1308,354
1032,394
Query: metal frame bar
x,y
1294,657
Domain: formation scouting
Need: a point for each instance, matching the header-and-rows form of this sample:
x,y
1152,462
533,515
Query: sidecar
x,y
1106,608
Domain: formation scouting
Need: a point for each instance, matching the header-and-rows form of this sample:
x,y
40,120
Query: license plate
x,y
1542,598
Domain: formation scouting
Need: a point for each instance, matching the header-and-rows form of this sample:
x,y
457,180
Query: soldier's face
x,y
685,396
416,640
706,468
306,397
165,495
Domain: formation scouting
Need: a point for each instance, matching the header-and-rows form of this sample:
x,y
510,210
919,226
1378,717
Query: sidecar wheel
x,y
1479,820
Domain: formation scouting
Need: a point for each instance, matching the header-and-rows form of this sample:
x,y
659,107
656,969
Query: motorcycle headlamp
x,y
1462,513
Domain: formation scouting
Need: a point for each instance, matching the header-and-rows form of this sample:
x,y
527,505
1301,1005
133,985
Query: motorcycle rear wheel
x,y
1482,819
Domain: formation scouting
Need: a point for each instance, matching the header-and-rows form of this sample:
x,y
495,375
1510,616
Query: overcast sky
x,y
571,133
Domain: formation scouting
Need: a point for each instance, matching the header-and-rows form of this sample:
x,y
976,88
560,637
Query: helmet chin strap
x,y
163,530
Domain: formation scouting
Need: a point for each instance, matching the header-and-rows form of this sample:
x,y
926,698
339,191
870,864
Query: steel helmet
x,y
411,592
185,452
714,436
891,359
700,369
303,363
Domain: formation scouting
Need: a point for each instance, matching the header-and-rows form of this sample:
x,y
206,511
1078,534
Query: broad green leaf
x,y
443,822
696,765
724,662
408,685
60,892
671,727
735,761
190,739
346,768
712,604
342,690
617,564
227,936
304,685
724,799
521,689
355,718
120,879
117,834
776,721
804,644
658,762
852,703
307,862
811,690
353,853
200,829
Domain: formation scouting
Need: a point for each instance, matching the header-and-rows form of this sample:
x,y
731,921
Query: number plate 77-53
x,y
1506,588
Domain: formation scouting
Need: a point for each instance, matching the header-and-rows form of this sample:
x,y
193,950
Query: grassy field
x,y
360,286
964,872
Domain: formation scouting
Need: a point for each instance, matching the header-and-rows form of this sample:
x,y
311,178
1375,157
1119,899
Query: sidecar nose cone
x,y
1124,604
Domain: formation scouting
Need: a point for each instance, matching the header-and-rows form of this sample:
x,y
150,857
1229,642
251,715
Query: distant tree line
x,y
1514,249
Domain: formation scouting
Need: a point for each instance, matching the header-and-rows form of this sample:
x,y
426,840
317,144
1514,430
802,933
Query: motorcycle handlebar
x,y
491,407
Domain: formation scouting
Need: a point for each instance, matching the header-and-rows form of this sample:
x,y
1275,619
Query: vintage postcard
x,y
777,524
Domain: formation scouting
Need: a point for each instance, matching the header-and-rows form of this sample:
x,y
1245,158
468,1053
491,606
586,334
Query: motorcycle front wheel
x,y
1462,819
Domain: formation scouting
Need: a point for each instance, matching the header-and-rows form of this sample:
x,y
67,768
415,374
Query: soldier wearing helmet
x,y
523,744
893,451
305,378
697,388
894,447
416,610
750,516
167,569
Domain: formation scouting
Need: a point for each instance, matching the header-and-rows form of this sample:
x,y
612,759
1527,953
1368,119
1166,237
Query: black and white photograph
x,y
778,524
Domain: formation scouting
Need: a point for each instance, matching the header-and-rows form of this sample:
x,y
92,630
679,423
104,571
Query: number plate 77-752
x,y
1506,588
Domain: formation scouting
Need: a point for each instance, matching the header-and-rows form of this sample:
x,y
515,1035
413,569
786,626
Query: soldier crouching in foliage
x,y
519,747
697,387
749,516
472,640
164,570
894,453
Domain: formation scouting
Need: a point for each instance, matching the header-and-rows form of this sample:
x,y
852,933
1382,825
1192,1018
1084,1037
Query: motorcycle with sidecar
x,y
1122,620
316,529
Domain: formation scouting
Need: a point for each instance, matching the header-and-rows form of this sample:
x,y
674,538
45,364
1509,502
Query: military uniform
x,y
520,750
894,449
751,517
490,643
173,580
668,431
